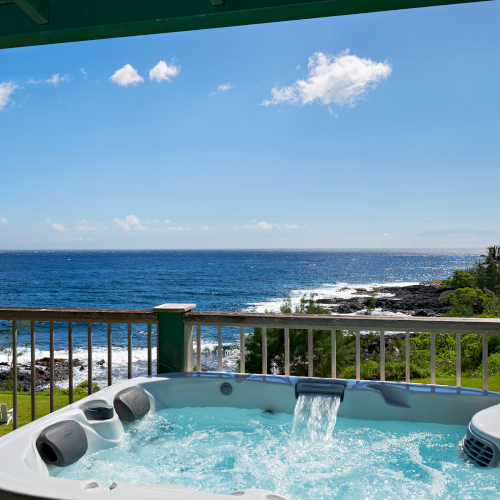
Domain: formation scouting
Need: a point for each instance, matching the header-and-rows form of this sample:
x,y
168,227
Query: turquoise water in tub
x,y
311,455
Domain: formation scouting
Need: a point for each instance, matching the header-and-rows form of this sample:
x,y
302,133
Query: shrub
x,y
481,302
460,311
459,279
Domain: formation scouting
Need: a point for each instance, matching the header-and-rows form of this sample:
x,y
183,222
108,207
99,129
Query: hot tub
x,y
50,458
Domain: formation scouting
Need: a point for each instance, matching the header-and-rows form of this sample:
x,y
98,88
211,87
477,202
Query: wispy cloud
x,y
126,76
81,239
84,73
131,222
4,221
265,225
174,227
6,90
450,233
225,87
168,225
342,79
54,79
204,227
85,225
164,72
56,225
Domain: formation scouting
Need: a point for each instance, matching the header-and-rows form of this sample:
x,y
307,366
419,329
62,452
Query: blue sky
x,y
388,139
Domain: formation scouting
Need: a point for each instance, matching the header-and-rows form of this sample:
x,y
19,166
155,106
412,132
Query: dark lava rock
x,y
42,373
416,300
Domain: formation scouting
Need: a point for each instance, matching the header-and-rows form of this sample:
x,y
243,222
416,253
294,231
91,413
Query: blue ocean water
x,y
214,280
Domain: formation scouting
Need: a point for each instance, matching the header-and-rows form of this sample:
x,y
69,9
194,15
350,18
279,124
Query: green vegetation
x,y
476,291
61,399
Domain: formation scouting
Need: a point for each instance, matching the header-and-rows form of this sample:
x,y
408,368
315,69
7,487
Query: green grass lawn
x,y
24,406
43,400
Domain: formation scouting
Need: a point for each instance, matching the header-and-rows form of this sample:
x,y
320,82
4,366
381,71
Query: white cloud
x,y
130,222
56,225
342,79
4,221
204,227
81,239
6,90
168,225
54,79
225,87
84,225
84,73
266,225
126,76
164,72
185,227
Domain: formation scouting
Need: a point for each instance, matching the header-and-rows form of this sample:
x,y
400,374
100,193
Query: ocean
x,y
214,280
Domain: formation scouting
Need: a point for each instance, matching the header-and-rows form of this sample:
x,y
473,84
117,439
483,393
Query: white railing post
x,y
242,349
51,342
110,353
433,358
264,351
33,373
287,352
150,349
188,348
407,357
358,356
219,353
70,359
14,374
198,348
129,353
382,356
485,361
310,367
459,360
334,353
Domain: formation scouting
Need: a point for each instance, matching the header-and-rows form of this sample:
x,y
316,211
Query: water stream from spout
x,y
314,418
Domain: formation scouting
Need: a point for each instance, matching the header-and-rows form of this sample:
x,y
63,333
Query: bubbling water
x,y
311,455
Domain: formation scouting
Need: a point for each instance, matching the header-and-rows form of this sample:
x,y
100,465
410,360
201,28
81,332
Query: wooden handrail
x,y
79,315
343,322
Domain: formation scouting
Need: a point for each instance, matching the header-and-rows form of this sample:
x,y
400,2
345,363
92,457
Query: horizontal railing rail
x,y
79,315
344,322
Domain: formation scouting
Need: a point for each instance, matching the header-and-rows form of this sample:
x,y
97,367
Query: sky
x,y
367,131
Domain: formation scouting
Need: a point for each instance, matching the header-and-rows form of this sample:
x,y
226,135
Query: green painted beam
x,y
38,10
76,20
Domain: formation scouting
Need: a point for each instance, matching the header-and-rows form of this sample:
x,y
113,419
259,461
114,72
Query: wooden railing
x,y
179,332
357,324
70,316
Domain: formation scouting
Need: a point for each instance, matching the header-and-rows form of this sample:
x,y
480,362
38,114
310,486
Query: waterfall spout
x,y
314,418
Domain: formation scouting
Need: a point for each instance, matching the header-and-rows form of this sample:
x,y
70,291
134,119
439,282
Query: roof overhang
x,y
39,22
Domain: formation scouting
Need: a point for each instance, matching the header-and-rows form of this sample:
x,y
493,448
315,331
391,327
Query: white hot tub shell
x,y
25,476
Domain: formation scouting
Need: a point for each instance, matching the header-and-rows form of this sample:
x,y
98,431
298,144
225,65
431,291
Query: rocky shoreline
x,y
413,300
42,367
